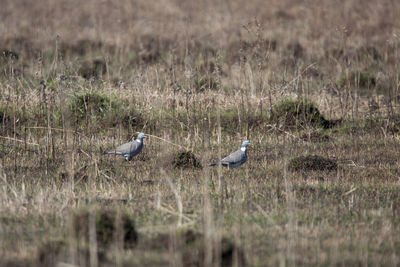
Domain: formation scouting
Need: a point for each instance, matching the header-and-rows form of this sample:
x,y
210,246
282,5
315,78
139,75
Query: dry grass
x,y
78,78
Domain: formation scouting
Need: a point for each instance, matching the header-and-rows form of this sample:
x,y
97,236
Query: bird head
x,y
141,136
246,143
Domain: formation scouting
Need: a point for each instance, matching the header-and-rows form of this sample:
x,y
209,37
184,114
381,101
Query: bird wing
x,y
233,158
127,148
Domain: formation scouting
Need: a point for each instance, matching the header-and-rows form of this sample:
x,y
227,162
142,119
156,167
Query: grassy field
x,y
313,84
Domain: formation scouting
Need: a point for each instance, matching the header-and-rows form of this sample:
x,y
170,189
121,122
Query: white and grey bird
x,y
235,159
129,150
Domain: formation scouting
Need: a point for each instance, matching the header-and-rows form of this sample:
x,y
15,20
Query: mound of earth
x,y
185,160
312,163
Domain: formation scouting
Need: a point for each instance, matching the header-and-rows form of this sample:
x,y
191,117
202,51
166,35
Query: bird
x,y
235,159
129,150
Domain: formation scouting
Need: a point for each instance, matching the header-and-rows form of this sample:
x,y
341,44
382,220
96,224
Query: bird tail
x,y
214,164
109,153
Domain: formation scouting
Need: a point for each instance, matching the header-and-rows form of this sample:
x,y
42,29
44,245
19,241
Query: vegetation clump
x,y
194,252
300,112
229,119
151,49
93,69
186,160
50,251
205,83
312,163
7,113
81,48
192,245
207,67
358,79
105,110
9,54
93,104
2,117
249,50
368,52
109,226
296,50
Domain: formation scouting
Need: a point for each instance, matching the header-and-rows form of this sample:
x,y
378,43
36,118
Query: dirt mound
x,y
186,160
295,113
312,163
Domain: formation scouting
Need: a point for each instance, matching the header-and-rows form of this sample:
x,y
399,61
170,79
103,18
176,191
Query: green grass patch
x,y
104,110
93,104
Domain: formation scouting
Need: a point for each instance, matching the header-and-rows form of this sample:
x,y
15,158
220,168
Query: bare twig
x,y
167,141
